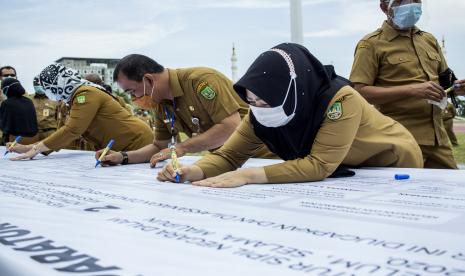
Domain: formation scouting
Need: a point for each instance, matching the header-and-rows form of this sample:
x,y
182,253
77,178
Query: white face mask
x,y
276,116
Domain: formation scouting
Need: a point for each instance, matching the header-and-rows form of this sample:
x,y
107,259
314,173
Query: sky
x,y
186,33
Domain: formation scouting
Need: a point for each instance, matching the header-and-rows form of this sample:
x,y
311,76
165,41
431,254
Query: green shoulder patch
x,y
206,91
335,111
81,99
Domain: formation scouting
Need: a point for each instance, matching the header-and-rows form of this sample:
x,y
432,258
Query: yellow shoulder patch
x,y
201,86
363,45
341,99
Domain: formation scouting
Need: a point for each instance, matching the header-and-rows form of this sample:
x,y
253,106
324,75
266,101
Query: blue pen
x,y
110,144
401,176
14,144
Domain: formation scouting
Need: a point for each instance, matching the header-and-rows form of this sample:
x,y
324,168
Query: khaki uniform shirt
x,y
46,111
99,117
388,57
353,133
203,97
62,113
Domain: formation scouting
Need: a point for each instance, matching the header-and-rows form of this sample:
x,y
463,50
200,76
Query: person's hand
x,y
112,158
18,148
186,173
460,91
427,90
28,155
168,173
164,154
225,180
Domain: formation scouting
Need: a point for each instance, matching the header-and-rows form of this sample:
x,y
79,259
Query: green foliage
x,y
459,151
461,108
120,93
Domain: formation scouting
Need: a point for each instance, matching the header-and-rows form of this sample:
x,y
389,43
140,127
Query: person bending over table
x,y
311,118
95,115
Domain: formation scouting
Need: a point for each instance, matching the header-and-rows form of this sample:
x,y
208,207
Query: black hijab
x,y
17,113
268,77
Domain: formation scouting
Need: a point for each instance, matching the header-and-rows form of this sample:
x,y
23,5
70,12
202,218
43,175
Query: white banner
x,y
61,216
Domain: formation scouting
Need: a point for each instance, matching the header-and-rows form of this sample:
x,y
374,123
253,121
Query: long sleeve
x,y
234,153
331,145
83,110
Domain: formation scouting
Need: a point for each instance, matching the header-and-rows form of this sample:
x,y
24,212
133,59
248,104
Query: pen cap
x,y
110,144
401,176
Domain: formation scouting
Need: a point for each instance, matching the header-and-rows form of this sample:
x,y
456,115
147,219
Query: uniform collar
x,y
175,86
392,33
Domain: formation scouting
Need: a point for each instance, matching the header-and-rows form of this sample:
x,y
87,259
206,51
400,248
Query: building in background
x,y
102,66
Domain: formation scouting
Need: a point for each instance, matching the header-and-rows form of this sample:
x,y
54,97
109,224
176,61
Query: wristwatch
x,y
125,158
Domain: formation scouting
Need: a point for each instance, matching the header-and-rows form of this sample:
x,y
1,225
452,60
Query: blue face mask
x,y
39,90
406,16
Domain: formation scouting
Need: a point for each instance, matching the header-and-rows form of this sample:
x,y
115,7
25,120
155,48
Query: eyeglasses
x,y
9,75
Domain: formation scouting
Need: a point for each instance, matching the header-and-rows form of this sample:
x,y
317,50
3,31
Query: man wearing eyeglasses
x,y
199,102
401,69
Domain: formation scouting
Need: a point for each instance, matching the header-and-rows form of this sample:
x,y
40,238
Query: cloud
x,y
200,32
257,4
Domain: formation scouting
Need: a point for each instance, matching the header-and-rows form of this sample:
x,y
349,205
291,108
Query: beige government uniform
x,y
448,116
387,58
203,97
78,144
353,133
99,117
47,115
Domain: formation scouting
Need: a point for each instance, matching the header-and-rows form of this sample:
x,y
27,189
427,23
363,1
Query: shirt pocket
x,y
432,65
398,59
398,66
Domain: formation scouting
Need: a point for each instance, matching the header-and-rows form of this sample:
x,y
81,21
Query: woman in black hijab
x,y
17,113
311,118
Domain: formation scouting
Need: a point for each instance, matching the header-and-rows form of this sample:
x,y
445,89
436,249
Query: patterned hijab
x,y
60,82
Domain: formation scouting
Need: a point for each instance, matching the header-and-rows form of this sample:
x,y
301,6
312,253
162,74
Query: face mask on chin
x,y
276,116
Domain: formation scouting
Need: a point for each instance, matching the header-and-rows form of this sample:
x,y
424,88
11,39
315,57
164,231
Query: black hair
x,y
7,68
107,88
135,66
